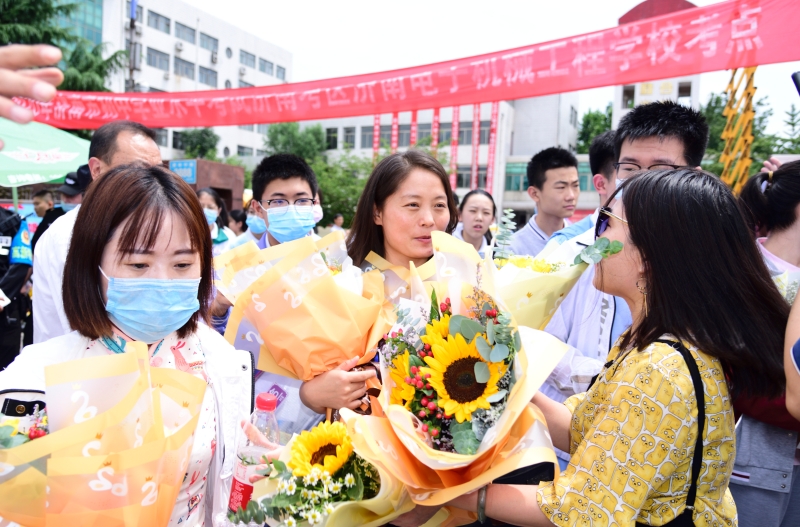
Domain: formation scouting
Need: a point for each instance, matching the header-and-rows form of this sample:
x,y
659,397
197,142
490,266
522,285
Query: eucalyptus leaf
x,y
497,397
483,348
616,246
601,244
482,374
499,353
470,328
455,323
517,341
464,440
490,332
486,307
279,465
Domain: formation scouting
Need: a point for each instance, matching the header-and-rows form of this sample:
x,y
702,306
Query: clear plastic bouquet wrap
x,y
320,480
458,376
120,436
305,308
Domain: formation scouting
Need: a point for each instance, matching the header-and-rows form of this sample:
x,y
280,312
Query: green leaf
x,y
486,307
427,393
435,313
483,348
490,332
601,244
356,492
464,439
497,397
482,374
616,246
279,465
578,260
517,341
455,323
5,431
499,353
470,328
414,360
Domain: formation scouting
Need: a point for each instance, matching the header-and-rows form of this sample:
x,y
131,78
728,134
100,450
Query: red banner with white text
x,y
721,36
454,130
492,148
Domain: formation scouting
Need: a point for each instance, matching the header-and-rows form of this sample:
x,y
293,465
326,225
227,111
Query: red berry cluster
x,y
445,307
492,313
35,433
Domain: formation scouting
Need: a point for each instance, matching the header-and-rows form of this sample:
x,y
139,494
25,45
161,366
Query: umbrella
x,y
37,153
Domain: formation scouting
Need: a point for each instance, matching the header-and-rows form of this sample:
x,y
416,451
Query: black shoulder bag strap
x,y
685,518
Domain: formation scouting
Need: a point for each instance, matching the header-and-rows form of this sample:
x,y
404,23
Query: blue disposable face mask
x,y
256,224
148,309
290,223
211,215
68,206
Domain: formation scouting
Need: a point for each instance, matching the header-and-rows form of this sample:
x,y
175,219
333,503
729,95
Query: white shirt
x,y
460,235
531,239
49,319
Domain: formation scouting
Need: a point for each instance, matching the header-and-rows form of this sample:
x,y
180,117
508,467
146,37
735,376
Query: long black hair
x,y
770,199
706,281
222,218
365,236
479,192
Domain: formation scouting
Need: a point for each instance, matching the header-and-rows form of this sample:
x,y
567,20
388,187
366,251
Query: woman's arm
x,y
558,419
337,388
791,361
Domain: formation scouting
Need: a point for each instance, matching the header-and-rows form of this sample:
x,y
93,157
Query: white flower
x,y
326,474
290,522
349,480
328,509
282,485
305,494
291,488
316,471
314,517
335,487
307,480
312,478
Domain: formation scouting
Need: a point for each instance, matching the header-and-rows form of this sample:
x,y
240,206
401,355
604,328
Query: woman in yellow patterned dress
x,y
690,272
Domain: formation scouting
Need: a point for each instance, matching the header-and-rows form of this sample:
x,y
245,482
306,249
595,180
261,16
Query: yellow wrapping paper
x,y
518,439
392,501
122,466
298,319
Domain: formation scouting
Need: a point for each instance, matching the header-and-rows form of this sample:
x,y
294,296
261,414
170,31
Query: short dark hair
x,y
602,155
338,215
770,199
151,192
282,166
732,312
553,157
239,216
365,236
222,217
104,139
44,193
665,119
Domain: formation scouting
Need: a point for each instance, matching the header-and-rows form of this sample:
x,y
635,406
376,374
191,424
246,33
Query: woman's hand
x,y
337,388
255,436
220,305
417,516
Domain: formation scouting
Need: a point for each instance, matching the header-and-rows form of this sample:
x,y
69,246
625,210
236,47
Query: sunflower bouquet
x,y
458,376
15,431
321,480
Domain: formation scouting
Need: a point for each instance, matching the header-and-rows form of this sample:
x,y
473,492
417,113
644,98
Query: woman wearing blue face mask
x,y
216,215
140,269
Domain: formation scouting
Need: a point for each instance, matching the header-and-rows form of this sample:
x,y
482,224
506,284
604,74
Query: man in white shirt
x,y
553,184
113,144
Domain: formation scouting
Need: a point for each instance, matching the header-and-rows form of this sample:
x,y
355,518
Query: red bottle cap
x,y
266,401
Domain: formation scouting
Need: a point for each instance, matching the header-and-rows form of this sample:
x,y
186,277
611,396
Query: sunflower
x,y
437,331
326,447
452,370
401,393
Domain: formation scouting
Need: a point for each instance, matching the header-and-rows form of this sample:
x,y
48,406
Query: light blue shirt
x,y
531,239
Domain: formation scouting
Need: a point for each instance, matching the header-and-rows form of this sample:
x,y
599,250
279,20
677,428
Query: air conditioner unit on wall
x,y
166,75
213,57
179,46
138,29
242,71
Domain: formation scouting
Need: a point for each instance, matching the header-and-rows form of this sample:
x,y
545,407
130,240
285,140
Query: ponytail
x,y
770,199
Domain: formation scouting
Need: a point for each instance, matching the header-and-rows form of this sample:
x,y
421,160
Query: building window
x,y
243,84
366,136
585,176
465,133
350,137
486,127
404,135
208,77
158,22
177,140
423,131
184,68
262,129
248,59
685,93
228,85
464,174
628,96
209,43
228,52
226,152
248,127
184,32
331,138
445,132
155,90
280,72
516,177
157,59
386,135
261,152
243,151
265,66
573,116
162,136
139,11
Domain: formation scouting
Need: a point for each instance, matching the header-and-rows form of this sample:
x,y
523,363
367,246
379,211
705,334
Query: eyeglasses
x,y
627,168
282,205
603,217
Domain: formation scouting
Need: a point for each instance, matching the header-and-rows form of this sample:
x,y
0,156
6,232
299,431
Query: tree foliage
x,y
200,143
237,162
790,144
85,69
35,22
594,123
307,143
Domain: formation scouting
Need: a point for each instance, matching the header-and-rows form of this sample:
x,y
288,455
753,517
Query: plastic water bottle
x,y
249,453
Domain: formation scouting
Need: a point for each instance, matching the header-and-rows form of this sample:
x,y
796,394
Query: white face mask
x,y
317,213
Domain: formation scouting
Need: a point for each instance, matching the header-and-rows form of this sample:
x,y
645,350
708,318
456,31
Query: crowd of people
x,y
678,399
